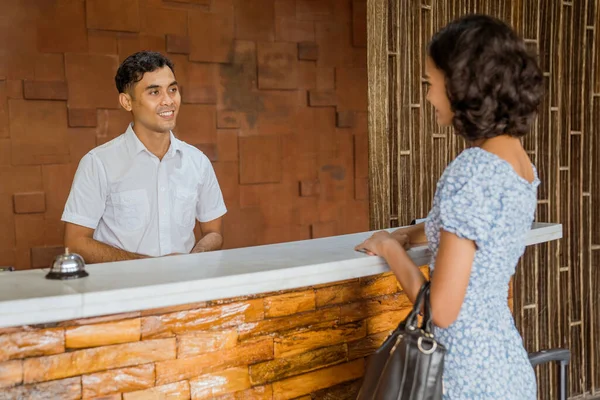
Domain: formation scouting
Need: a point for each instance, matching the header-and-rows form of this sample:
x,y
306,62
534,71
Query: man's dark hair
x,y
493,83
134,67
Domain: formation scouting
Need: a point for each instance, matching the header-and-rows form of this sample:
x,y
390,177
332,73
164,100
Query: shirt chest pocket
x,y
184,207
131,209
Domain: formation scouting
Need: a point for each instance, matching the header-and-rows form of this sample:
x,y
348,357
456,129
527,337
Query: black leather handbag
x,y
410,363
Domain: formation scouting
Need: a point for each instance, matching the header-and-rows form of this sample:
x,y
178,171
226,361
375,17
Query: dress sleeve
x,y
465,208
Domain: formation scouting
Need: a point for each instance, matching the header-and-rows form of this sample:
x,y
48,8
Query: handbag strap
x,y
427,324
411,319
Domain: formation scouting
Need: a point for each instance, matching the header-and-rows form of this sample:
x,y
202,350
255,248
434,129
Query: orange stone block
x,y
386,322
118,380
172,309
31,343
173,391
11,373
289,303
281,368
97,359
186,368
313,381
103,334
300,342
366,346
368,308
205,342
64,389
379,285
256,393
211,385
287,323
32,202
224,316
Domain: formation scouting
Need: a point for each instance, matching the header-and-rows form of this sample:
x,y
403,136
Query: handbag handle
x,y
411,319
427,324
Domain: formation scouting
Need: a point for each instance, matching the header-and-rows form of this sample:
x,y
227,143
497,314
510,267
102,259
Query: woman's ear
x,y
125,101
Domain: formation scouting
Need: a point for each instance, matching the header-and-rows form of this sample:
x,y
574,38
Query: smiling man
x,y
140,194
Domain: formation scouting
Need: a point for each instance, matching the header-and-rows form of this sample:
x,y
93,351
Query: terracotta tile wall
x,y
309,343
274,92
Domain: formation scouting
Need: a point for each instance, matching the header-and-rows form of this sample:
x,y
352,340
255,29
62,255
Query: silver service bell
x,y
67,266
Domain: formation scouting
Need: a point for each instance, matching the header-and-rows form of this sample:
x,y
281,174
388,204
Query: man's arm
x,y
212,237
79,239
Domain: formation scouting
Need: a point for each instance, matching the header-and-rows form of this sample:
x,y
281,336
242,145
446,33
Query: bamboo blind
x,y
557,285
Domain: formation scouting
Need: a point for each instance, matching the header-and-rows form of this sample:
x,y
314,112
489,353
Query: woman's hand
x,y
403,239
376,244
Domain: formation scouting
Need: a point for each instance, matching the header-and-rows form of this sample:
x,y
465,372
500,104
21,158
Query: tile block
x,y
254,20
205,342
118,380
178,44
113,15
97,359
322,98
386,322
62,28
301,342
201,84
211,36
277,66
260,159
351,89
325,78
64,389
293,30
281,368
289,303
43,257
313,10
229,119
57,180
297,386
39,132
366,346
309,188
359,23
164,21
224,316
285,8
308,51
11,373
82,117
216,384
96,335
103,42
31,343
344,119
196,124
91,93
242,355
31,202
323,229
172,391
288,323
14,90
49,67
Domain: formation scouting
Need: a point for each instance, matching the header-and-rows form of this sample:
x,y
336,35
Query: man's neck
x,y
157,143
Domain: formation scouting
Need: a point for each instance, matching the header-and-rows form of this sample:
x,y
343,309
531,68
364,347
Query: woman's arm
x,y
449,282
410,235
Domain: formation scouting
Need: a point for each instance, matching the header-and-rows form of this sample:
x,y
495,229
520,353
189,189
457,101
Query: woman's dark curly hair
x,y
132,70
493,83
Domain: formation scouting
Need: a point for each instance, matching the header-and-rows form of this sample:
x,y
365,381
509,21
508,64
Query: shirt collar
x,y
135,145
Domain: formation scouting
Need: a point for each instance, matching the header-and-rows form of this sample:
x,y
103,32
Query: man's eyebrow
x,y
158,86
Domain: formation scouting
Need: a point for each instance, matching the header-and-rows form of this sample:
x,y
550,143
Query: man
x,y
140,194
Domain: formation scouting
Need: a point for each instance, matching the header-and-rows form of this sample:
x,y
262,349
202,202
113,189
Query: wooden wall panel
x,y
557,285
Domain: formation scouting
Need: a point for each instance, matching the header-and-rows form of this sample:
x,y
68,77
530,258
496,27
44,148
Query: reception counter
x,y
284,321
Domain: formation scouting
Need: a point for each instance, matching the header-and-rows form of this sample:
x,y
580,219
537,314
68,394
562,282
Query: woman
x,y
484,83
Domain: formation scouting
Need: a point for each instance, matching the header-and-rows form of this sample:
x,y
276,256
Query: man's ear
x,y
125,101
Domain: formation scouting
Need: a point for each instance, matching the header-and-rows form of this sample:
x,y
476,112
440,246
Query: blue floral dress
x,y
480,197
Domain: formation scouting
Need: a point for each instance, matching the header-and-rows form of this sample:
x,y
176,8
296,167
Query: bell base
x,y
66,276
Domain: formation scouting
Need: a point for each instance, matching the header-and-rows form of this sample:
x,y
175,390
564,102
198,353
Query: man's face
x,y
154,101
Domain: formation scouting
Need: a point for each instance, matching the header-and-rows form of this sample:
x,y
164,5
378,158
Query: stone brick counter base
x,y
308,343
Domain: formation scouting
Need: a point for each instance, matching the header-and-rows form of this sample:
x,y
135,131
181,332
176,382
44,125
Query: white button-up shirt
x,y
141,204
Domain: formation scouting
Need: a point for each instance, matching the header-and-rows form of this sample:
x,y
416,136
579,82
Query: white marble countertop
x,y
26,297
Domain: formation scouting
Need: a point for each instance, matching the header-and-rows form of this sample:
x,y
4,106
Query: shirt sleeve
x,y
210,204
465,209
87,199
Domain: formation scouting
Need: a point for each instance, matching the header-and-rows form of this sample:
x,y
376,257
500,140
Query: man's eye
x,y
173,89
154,92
